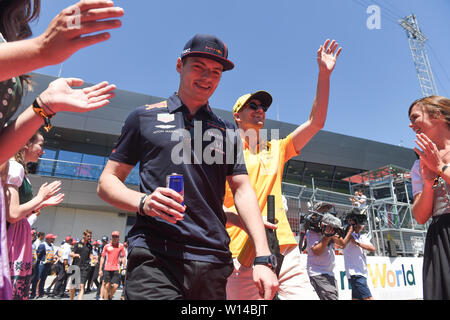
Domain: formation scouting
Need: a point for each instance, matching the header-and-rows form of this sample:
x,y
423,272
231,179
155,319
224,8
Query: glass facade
x,y
323,176
84,166
76,165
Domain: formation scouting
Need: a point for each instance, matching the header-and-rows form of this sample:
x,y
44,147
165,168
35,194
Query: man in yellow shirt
x,y
265,162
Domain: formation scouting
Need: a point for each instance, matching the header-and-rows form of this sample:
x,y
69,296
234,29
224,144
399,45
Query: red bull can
x,y
175,182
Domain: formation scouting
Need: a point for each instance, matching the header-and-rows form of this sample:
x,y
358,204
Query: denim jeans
x,y
43,272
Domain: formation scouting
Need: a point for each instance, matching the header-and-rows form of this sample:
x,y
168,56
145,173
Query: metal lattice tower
x,y
417,45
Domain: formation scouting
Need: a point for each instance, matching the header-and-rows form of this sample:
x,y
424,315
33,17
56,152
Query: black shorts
x,y
73,275
111,276
84,272
152,276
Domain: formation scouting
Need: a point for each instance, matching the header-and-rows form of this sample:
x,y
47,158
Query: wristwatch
x,y
141,205
270,261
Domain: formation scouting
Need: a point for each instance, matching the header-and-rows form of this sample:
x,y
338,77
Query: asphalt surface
x,y
87,295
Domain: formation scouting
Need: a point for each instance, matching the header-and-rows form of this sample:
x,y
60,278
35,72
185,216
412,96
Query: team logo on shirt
x,y
162,104
165,117
165,126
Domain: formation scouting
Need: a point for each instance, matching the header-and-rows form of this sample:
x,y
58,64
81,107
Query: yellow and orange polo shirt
x,y
265,171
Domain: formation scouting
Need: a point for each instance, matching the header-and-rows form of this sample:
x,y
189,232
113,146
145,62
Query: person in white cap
x,y
112,257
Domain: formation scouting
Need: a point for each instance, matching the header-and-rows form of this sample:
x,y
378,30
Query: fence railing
x,y
75,170
390,223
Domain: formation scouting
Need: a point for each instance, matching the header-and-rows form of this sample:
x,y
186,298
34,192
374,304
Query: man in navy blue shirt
x,y
179,248
45,258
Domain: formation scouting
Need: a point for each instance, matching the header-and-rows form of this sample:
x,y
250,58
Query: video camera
x,y
319,219
354,217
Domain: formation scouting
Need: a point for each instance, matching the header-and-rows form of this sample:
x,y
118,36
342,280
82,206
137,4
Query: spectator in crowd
x,y
33,218
64,262
359,200
54,269
46,257
36,243
97,276
123,266
430,177
353,199
33,237
19,55
82,255
112,257
94,262
33,254
40,238
123,269
20,204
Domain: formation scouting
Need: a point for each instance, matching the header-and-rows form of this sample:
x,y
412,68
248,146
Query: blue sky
x,y
273,45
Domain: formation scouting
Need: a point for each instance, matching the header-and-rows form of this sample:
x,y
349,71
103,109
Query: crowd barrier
x,y
388,278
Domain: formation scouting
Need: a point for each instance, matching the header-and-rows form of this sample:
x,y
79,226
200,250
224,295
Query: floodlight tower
x,y
417,45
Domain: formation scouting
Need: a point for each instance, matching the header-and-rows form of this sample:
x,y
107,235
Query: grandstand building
x,y
78,147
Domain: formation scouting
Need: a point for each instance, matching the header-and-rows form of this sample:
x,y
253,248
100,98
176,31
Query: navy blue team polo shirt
x,y
151,136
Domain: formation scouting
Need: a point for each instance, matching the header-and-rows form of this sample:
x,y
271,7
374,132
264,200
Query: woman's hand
x,y
53,200
429,155
428,176
60,96
48,190
67,32
48,194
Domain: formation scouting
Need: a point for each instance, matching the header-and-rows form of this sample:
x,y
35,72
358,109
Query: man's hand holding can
x,y
166,204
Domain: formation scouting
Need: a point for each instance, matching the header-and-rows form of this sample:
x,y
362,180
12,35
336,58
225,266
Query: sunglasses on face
x,y
255,107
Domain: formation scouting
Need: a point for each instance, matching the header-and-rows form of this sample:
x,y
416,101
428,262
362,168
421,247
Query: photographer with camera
x,y
324,230
355,256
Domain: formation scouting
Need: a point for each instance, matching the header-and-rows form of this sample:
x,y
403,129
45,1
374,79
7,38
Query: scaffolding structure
x,y
391,221
391,224
417,41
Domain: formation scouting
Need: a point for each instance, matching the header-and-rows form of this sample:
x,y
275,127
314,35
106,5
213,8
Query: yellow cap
x,y
263,96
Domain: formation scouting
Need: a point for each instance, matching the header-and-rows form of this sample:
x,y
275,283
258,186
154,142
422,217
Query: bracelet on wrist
x,y
52,113
441,173
435,182
39,110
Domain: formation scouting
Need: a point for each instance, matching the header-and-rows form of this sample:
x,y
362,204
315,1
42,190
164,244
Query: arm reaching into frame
x,y
67,33
59,96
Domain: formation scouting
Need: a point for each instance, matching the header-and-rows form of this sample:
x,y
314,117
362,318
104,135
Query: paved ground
x,y
87,296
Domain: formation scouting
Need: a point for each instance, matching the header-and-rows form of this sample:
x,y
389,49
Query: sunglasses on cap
x,y
255,107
